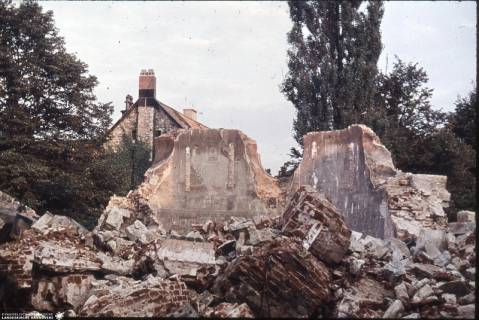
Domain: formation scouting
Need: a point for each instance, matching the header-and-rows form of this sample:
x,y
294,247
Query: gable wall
x,y
146,117
126,126
163,122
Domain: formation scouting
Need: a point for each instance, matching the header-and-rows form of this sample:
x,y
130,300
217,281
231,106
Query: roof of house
x,y
183,121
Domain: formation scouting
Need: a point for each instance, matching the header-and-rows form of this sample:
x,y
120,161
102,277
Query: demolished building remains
x,y
206,174
355,171
351,236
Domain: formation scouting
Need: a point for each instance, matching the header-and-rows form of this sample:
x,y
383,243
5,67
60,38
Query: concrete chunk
x,y
466,216
394,310
460,228
467,311
424,295
401,292
49,222
184,257
53,293
115,217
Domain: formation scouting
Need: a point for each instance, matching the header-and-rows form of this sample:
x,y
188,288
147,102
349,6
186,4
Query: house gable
x,y
147,117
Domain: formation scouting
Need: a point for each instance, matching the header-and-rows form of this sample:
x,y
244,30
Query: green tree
x,y
334,49
50,122
445,154
463,121
403,115
421,139
122,170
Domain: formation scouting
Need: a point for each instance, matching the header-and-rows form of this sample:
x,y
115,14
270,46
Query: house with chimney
x,y
148,117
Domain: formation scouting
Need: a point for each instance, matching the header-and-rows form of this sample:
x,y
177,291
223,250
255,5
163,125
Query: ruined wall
x,y
126,126
203,174
355,171
340,164
417,201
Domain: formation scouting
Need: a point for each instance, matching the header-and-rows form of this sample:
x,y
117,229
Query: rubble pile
x,y
306,261
390,278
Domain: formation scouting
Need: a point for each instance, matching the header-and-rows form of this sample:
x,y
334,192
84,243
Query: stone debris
x,y
226,274
395,310
49,222
466,216
184,257
312,218
363,298
424,295
138,232
153,297
61,292
467,311
467,299
230,310
115,264
279,279
372,244
457,287
65,257
401,292
14,218
417,204
459,228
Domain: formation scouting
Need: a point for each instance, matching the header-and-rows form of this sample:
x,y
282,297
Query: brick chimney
x,y
147,84
190,113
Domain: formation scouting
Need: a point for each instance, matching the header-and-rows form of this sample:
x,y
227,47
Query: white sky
x,y
227,59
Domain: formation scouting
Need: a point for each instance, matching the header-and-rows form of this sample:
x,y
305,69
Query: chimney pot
x,y
147,84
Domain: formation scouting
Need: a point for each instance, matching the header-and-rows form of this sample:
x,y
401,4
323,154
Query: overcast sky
x,y
227,59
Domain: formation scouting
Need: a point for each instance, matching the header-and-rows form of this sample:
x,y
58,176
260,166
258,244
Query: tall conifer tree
x,y
334,49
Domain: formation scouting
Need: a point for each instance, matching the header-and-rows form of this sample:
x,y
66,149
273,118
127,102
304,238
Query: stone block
x,y
185,257
394,310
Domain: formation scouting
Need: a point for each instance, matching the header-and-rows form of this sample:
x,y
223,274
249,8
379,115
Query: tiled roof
x,y
183,121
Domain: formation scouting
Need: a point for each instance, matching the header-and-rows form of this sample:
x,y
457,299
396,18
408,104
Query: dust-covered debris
x,y
313,259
